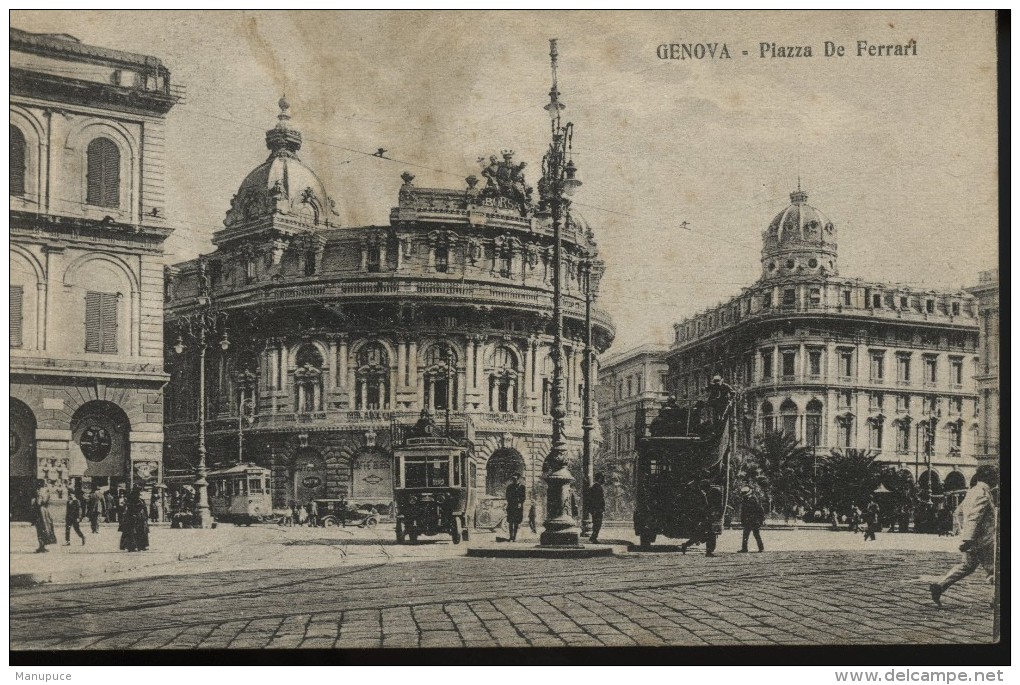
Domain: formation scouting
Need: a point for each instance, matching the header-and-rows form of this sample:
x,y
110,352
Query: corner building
x,y
87,226
341,335
841,362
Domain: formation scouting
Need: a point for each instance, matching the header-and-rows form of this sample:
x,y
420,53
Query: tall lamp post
x,y
197,326
591,273
558,180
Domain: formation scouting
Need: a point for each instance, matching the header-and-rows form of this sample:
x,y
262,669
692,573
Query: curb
x,y
538,552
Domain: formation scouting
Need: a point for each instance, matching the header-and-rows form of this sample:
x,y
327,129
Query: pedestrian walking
x,y
313,514
871,518
596,506
855,518
978,546
110,506
134,524
516,493
94,508
532,515
42,519
73,514
752,516
154,505
121,504
705,532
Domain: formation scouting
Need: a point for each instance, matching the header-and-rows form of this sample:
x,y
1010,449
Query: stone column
x,y
469,362
341,362
332,360
412,357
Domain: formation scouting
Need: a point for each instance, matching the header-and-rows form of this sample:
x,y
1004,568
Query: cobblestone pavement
x,y
785,597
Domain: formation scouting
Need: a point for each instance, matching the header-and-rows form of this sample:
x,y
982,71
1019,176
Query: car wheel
x,y
329,522
455,533
371,522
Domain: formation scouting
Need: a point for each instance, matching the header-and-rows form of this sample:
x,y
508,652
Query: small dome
x,y
282,184
799,240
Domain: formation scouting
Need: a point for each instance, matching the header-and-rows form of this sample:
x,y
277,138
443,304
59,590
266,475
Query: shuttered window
x,y
16,315
101,323
17,161
103,173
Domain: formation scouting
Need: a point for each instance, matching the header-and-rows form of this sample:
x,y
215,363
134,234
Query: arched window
x,y
18,158
442,257
372,378
440,378
103,175
503,376
788,409
308,379
768,418
813,424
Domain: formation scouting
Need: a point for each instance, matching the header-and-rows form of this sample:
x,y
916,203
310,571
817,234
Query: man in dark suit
x,y
752,516
516,493
596,505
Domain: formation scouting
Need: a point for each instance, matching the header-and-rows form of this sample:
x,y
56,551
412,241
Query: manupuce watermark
x,y
41,677
908,675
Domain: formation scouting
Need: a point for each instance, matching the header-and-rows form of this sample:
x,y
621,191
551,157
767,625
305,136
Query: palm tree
x,y
784,470
849,476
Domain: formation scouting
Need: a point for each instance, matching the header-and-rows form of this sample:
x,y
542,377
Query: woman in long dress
x,y
42,519
134,527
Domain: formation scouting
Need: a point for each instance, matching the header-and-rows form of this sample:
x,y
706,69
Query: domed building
x,y
325,339
840,362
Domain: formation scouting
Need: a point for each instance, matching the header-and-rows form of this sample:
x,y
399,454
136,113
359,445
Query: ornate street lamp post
x,y
591,272
196,326
558,180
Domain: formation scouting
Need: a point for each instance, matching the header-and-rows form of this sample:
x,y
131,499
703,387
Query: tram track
x,y
462,595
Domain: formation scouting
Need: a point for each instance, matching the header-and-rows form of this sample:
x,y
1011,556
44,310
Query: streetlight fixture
x,y
196,326
591,273
559,178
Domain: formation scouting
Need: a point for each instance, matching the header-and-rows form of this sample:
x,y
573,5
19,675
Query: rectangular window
x,y
813,427
506,265
789,363
17,315
373,259
956,405
816,297
766,365
766,301
956,309
843,433
903,403
957,372
846,363
748,368
904,303
815,363
876,301
875,400
846,298
929,306
889,300
877,367
442,258
101,322
789,297
630,387
875,435
845,397
790,425
930,370
903,437
903,368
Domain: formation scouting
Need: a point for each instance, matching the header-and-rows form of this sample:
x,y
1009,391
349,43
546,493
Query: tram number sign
x,y
311,482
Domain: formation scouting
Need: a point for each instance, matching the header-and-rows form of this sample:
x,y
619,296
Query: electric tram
x,y
681,471
241,494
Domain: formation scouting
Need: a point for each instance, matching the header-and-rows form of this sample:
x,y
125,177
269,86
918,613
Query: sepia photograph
x,y
406,335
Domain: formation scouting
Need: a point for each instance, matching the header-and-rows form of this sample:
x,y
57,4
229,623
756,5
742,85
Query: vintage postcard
x,y
403,330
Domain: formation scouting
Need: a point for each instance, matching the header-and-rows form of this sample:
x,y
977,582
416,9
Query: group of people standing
x,y
132,517
517,496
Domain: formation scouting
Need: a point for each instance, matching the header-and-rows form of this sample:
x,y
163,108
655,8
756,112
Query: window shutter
x,y
109,323
93,334
17,161
103,176
16,315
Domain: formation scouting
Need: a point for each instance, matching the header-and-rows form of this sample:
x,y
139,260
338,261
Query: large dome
x,y
799,240
282,184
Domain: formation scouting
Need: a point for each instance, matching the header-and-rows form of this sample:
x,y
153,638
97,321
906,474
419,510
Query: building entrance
x,y
23,460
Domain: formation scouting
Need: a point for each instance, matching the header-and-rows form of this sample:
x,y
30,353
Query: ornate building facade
x,y
87,225
841,362
987,378
336,336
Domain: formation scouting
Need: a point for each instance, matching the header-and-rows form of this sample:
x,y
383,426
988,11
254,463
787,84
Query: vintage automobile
x,y
241,494
681,472
341,512
490,513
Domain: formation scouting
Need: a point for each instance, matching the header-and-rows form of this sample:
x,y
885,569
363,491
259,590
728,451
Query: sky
x,y
684,162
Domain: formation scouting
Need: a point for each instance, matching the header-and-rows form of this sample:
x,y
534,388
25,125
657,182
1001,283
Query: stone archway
x,y
955,480
101,434
504,463
23,463
308,475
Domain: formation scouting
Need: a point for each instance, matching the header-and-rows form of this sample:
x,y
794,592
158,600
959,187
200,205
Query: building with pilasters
x,y
841,362
87,225
337,335
987,376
